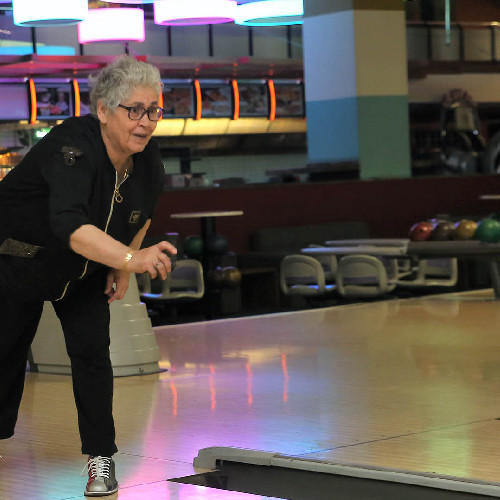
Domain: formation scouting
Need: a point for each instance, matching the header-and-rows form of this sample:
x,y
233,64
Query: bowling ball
x,y
465,229
193,247
216,277
421,231
217,245
488,230
443,231
232,276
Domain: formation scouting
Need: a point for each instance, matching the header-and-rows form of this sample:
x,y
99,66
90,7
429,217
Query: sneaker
x,y
102,480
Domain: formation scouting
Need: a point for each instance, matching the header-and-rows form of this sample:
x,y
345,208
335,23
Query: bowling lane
x,y
408,381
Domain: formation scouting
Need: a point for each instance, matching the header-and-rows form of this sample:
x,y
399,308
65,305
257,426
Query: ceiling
x,y
34,65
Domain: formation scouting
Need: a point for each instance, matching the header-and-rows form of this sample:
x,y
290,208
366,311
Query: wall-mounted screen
x,y
178,101
289,99
253,99
54,101
217,100
15,101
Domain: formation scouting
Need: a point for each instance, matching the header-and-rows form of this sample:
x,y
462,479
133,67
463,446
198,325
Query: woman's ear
x,y
102,112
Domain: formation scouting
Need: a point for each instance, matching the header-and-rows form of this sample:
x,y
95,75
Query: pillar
x,y
355,65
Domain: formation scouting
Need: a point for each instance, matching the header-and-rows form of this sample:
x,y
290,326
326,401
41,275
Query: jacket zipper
x,y
115,191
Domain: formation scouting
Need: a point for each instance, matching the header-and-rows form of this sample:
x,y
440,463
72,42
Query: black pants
x,y
84,316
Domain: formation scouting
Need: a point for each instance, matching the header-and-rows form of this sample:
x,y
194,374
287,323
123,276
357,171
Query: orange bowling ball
x,y
465,229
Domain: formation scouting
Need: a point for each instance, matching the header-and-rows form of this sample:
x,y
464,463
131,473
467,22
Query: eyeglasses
x,y
137,112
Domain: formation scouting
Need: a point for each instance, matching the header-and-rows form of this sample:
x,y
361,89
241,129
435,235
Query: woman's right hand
x,y
153,260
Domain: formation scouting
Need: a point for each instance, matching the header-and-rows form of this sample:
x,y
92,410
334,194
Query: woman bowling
x,y
74,214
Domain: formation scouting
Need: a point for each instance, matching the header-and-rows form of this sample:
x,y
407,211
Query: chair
x,y
433,272
364,276
328,263
303,275
185,283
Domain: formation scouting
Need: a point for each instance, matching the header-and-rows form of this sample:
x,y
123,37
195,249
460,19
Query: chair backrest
x,y
301,275
432,272
439,272
362,276
328,262
186,280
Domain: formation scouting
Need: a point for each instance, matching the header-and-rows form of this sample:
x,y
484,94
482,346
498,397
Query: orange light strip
x,y
197,88
236,97
76,92
33,102
272,100
160,99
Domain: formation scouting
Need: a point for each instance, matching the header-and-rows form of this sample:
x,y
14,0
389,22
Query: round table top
x,y
390,251
490,197
192,215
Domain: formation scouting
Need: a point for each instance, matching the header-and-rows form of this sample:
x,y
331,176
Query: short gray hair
x,y
117,81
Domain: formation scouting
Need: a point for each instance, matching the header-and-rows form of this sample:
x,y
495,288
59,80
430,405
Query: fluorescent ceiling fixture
x,y
112,25
194,12
270,13
37,13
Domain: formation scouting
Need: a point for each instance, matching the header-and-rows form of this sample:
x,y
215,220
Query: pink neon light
x,y
194,12
109,25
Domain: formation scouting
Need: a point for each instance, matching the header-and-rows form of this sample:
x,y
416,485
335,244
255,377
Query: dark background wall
x,y
389,207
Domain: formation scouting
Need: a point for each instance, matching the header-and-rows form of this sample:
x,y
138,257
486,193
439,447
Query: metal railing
x,y
469,41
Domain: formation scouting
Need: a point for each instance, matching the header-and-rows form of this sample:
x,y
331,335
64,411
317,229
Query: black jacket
x,y
47,197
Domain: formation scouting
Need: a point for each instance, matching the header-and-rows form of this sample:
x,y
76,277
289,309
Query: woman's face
x,y
123,135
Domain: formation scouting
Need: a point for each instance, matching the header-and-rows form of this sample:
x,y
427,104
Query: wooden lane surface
x,y
410,384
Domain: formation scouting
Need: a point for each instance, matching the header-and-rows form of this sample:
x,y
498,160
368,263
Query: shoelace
x,y
97,467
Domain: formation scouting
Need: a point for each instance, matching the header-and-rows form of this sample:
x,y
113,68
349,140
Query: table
x,y
490,197
424,250
207,222
346,249
389,242
212,296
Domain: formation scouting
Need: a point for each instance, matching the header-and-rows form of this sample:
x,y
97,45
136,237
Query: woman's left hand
x,y
119,279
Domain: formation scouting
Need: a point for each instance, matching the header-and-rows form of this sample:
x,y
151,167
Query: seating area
x,y
294,268
301,267
364,277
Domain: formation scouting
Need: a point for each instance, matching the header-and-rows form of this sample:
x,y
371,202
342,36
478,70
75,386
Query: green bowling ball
x,y
193,247
488,230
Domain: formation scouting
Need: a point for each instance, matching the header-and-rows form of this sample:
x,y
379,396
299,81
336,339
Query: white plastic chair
x,y
184,283
329,264
303,275
433,272
364,276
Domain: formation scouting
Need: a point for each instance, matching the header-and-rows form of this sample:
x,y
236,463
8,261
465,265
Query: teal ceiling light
x,y
270,13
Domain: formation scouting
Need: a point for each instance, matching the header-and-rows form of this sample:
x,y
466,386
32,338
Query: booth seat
x,y
269,246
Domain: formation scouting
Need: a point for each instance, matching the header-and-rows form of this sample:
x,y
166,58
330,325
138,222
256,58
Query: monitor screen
x,y
217,100
54,101
253,99
289,99
178,101
15,101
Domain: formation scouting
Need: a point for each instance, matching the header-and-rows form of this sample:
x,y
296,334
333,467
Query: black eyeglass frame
x,y
144,112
